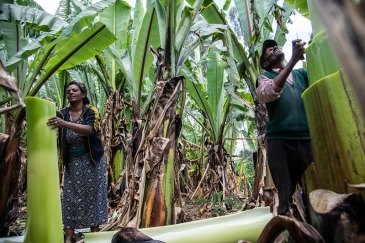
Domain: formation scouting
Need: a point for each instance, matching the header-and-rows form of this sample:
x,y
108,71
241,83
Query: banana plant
x,y
192,138
214,101
131,59
162,31
59,46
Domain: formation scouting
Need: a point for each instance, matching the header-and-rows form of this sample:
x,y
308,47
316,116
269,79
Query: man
x,y
288,141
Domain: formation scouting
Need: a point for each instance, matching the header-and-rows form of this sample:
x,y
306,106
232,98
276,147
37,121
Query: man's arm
x,y
265,91
298,52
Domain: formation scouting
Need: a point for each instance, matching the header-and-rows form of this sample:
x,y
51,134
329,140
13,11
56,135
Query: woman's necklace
x,y
71,116
76,115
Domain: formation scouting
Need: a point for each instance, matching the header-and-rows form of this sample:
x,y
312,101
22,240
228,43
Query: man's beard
x,y
279,55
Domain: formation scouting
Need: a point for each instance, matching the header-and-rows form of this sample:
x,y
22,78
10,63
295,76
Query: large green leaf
x,y
83,46
204,33
6,1
9,33
27,3
79,48
85,18
264,7
125,65
213,16
93,87
188,15
246,68
133,34
234,83
78,6
245,19
142,59
76,76
191,47
31,17
37,64
68,10
233,75
28,50
215,87
116,18
196,91
52,89
62,80
101,73
301,6
280,35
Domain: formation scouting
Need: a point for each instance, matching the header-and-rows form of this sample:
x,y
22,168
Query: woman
x,y
84,201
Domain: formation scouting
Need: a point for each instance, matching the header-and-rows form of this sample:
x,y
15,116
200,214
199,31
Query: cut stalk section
x,y
321,59
336,128
44,217
337,131
246,225
335,123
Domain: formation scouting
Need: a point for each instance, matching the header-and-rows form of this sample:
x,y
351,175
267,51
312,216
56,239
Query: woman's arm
x,y
56,122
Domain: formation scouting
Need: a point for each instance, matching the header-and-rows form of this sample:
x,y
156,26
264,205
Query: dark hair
x,y
83,90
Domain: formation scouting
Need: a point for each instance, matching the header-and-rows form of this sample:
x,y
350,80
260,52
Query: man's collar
x,y
277,70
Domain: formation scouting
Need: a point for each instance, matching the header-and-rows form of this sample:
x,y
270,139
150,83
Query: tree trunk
x,y
9,172
159,205
261,159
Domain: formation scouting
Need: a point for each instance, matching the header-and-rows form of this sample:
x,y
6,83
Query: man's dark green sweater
x,y
287,119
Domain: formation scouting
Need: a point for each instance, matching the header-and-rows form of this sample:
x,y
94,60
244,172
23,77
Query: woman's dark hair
x,y
83,90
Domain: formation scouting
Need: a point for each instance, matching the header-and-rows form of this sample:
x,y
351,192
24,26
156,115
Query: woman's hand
x,y
55,122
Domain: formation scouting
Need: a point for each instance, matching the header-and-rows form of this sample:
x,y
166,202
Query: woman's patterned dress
x,y
84,202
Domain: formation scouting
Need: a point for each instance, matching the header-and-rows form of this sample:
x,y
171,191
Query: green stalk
x,y
44,217
337,130
321,59
246,225
336,126
317,25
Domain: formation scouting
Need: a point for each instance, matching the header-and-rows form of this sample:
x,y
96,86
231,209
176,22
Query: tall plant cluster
x,y
174,84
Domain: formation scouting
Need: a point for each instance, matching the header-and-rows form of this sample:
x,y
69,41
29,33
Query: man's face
x,y
273,55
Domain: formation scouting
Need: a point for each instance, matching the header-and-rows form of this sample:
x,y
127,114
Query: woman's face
x,y
74,93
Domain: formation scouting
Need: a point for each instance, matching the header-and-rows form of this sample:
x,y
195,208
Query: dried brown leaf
x,y
301,232
8,82
324,201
